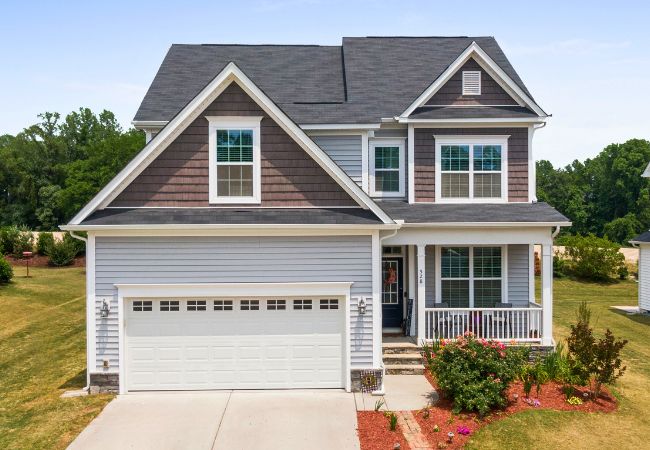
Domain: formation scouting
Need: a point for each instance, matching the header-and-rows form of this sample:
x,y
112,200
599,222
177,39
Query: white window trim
x,y
381,142
438,272
479,82
234,122
501,140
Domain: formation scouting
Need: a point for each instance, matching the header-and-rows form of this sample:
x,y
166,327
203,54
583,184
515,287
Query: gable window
x,y
234,158
471,277
471,82
471,168
387,168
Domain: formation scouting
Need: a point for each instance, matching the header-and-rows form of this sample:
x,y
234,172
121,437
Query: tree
x,y
54,167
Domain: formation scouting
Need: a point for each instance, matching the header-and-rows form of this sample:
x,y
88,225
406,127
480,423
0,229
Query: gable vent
x,y
472,82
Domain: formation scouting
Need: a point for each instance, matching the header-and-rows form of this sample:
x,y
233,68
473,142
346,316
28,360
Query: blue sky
x,y
587,63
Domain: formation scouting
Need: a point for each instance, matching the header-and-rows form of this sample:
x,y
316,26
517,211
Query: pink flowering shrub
x,y
475,373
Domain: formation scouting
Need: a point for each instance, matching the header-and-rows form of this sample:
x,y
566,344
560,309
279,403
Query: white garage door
x,y
179,344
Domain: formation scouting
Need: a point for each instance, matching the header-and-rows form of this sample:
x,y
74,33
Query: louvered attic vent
x,y
472,82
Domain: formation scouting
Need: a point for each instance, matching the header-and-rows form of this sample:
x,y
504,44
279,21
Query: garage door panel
x,y
234,349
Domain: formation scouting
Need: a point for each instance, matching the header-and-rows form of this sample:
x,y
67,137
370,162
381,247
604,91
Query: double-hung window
x,y
387,168
234,158
471,277
471,168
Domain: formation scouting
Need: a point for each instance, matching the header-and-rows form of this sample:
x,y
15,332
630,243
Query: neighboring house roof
x,y
230,74
472,112
362,81
643,237
231,216
646,172
501,213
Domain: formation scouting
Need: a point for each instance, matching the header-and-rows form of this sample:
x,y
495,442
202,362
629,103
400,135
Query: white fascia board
x,y
340,126
646,172
231,73
474,50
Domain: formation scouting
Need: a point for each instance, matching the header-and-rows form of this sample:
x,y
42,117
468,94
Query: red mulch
x,y
551,397
374,433
42,261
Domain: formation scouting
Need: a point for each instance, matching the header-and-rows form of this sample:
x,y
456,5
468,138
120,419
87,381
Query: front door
x,y
392,297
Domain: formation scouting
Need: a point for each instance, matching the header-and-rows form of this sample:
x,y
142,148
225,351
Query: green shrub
x,y
533,375
61,253
6,272
592,257
45,239
556,363
475,373
8,237
24,243
560,266
79,245
15,241
590,359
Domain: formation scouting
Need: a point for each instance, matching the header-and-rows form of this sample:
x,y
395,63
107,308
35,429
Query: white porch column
x,y
412,286
547,294
421,274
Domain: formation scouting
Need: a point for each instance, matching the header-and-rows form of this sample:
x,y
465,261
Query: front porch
x,y
480,281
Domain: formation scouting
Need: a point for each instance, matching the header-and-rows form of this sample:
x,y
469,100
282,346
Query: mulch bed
x,y
551,397
42,261
374,433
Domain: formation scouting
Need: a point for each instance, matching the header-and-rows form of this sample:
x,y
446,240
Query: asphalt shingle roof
x,y
478,112
458,213
232,216
361,81
643,237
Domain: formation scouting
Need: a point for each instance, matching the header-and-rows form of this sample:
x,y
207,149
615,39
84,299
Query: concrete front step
x,y
403,358
400,347
404,369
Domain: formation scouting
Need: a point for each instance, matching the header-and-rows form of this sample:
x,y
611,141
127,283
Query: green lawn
x,y
627,427
42,354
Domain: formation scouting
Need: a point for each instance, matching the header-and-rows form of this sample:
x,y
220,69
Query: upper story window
x,y
471,82
234,159
387,168
471,169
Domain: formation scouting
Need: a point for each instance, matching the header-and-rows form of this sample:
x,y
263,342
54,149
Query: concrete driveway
x,y
225,420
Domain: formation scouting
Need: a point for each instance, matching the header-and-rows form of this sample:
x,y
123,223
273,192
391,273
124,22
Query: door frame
x,y
400,280
126,292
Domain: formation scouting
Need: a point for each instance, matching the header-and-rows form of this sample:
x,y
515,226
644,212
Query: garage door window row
x,y
229,305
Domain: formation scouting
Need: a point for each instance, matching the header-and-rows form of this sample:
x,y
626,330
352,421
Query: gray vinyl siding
x,y
518,275
211,259
344,151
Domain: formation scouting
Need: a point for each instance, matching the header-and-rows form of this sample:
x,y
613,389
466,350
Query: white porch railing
x,y
503,324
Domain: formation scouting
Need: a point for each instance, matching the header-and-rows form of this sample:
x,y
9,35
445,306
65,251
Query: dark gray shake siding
x,y
210,259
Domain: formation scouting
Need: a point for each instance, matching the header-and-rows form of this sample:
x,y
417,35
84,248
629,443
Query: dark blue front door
x,y
392,297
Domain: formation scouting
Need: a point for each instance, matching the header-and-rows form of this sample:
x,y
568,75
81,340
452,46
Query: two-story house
x,y
293,205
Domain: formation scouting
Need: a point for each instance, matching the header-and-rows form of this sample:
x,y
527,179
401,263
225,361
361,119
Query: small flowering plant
x,y
463,431
475,373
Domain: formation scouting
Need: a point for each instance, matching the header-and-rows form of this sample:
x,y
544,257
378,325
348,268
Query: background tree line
x,y
606,195
53,168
